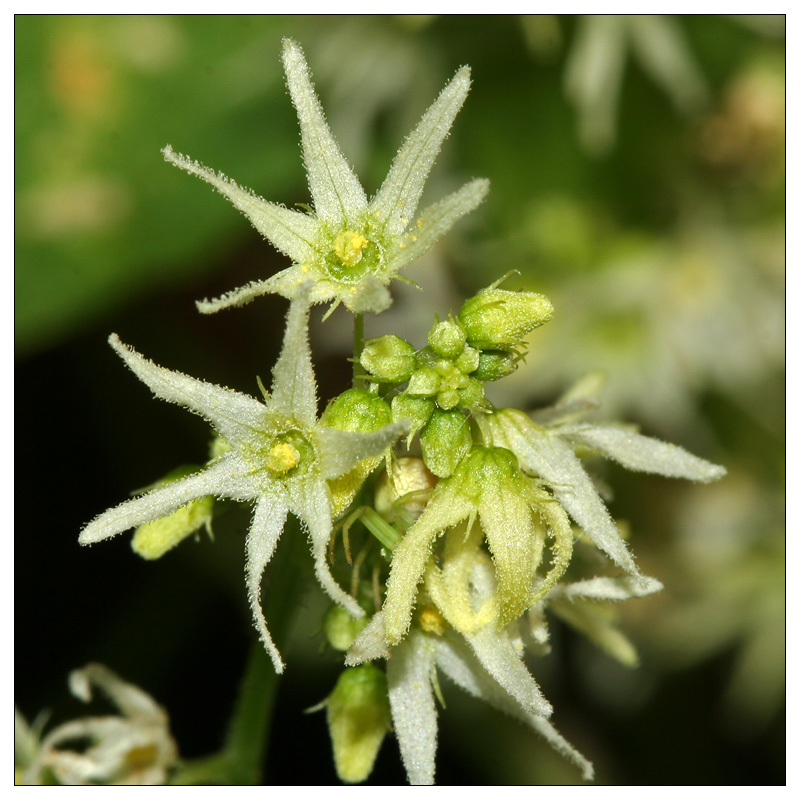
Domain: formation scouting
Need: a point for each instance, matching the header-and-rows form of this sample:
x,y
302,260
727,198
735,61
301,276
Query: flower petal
x,y
292,232
269,518
338,196
605,588
460,665
219,479
643,453
399,195
435,221
341,451
408,673
309,501
234,415
369,644
129,699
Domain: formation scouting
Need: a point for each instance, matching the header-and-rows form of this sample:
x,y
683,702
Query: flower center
x,y
282,457
348,247
288,454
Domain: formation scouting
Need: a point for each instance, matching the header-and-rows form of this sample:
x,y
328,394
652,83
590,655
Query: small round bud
x,y
469,360
445,440
357,410
341,629
496,319
414,410
424,382
447,339
495,364
388,358
471,394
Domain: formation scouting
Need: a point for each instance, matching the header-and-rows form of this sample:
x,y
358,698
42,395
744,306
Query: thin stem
x,y
358,346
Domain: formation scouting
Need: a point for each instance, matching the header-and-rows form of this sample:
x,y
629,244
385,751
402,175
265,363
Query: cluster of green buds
x,y
438,387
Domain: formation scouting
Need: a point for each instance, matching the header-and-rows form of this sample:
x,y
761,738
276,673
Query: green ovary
x,y
353,256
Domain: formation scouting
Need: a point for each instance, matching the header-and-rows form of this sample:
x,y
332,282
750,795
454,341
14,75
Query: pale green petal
x,y
459,664
445,510
285,283
543,453
408,673
643,453
371,297
234,415
341,451
435,221
338,196
129,699
222,479
292,232
294,387
503,661
309,501
399,195
369,644
269,519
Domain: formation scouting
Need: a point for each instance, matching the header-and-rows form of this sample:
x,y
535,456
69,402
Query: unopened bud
x,y
445,440
447,339
388,358
497,319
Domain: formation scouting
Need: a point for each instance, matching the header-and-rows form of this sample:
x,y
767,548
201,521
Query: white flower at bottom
x,y
280,458
134,748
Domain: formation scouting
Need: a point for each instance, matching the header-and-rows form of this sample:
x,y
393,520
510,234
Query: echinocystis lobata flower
x,y
351,248
132,748
280,458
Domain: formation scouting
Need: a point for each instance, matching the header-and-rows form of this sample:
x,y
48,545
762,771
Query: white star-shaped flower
x,y
351,248
280,459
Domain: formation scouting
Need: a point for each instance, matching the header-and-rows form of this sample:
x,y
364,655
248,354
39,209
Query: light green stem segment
x,y
240,761
358,346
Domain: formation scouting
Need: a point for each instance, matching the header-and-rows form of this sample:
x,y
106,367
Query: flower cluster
x,y
462,523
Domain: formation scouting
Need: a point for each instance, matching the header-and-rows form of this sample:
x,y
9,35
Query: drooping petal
x,y
408,673
234,415
369,644
503,661
341,451
292,232
294,387
399,195
269,518
338,196
309,501
443,511
605,588
219,479
435,221
542,452
129,699
459,664
643,453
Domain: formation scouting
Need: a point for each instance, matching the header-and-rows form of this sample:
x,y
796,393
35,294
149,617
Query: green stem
x,y
240,761
358,346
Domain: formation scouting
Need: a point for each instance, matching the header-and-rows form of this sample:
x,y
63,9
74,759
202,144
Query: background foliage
x,y
660,241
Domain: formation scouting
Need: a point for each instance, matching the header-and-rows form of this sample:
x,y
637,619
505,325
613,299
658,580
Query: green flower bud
x,y
424,382
416,410
445,440
341,629
496,319
447,339
388,358
358,718
357,410
495,364
469,360
152,539
471,394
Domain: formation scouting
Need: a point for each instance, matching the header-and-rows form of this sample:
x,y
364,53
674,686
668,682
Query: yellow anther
x,y
348,247
432,621
282,457
420,223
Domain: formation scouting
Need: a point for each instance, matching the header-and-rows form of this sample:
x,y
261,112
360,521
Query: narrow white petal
x,y
460,665
340,451
269,518
292,232
218,479
309,501
399,195
234,415
285,283
643,453
338,196
605,588
435,221
542,452
369,644
408,673
294,388
129,699
503,661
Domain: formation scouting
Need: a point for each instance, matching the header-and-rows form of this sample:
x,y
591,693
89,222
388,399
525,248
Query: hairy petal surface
x,y
408,673
338,196
269,518
341,451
